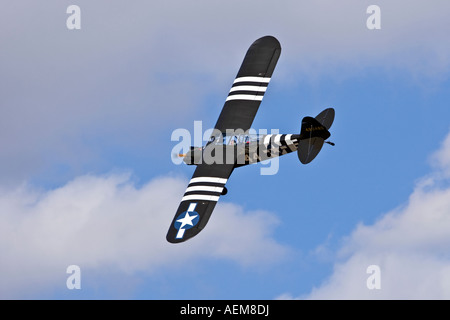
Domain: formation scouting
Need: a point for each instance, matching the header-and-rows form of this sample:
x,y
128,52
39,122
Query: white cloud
x,y
107,223
441,158
409,244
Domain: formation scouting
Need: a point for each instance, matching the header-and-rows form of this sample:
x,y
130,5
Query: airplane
x,y
232,145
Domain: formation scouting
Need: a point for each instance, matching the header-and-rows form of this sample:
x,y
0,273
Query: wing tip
x,y
269,41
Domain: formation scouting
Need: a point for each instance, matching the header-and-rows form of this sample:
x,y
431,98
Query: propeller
x,y
176,155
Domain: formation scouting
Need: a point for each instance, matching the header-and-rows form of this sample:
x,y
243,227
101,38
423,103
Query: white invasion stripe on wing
x,y
200,197
248,88
245,97
252,79
204,188
208,179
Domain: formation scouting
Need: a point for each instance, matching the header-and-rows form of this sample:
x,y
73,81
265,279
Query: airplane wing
x,y
198,201
250,84
238,112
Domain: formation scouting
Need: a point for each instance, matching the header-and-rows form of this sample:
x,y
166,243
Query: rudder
x,y
314,132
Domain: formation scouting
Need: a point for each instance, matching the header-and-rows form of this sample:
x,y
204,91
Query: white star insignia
x,y
187,220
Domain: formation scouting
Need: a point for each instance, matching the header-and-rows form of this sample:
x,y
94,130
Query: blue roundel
x,y
186,220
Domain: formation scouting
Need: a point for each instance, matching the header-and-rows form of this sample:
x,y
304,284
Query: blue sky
x,y
86,118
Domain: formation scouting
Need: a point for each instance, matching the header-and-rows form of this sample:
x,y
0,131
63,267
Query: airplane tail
x,y
313,134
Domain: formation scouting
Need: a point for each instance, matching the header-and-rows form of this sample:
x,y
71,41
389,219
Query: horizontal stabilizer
x,y
326,117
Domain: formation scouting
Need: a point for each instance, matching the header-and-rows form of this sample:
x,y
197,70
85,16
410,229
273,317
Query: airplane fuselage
x,y
242,150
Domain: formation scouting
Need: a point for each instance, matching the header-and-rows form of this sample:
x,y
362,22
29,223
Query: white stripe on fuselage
x,y
267,139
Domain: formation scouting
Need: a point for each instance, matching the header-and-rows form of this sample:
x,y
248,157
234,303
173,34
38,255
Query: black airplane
x,y
231,145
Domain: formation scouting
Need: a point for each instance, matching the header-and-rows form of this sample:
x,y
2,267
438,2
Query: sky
x,y
87,176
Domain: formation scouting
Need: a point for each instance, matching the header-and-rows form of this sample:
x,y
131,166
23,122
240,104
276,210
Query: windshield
x,y
234,139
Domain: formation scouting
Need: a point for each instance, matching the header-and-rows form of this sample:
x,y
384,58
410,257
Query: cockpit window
x,y
233,139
